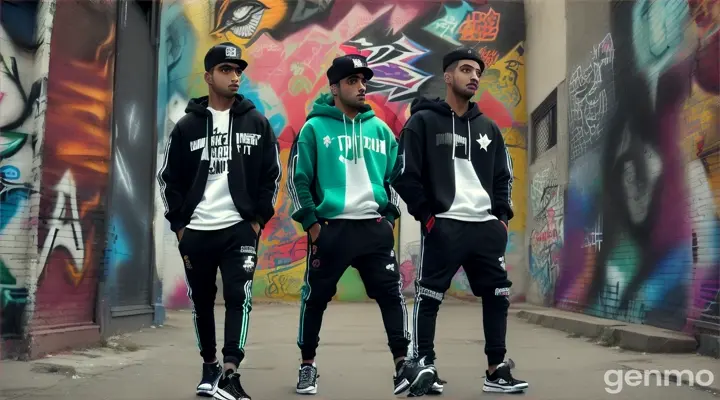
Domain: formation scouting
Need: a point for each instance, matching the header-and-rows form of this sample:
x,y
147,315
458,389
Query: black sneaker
x,y
307,379
438,385
413,376
229,388
208,385
502,381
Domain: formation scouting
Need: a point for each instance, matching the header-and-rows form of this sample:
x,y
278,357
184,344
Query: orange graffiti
x,y
489,56
85,105
480,26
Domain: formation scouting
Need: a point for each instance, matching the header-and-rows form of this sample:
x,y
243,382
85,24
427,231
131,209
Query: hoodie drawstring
x,y
468,149
353,139
230,133
453,133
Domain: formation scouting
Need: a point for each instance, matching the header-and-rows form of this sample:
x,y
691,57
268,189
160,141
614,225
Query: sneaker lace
x,y
307,373
506,374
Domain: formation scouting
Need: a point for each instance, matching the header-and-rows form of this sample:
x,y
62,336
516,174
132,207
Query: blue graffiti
x,y
658,32
12,196
9,172
267,102
448,27
176,51
118,252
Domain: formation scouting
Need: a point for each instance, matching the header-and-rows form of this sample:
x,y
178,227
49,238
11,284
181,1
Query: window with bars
x,y
544,126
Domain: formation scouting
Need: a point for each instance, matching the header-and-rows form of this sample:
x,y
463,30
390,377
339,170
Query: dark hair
x,y
452,67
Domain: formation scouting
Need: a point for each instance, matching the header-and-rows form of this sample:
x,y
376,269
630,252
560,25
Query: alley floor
x,y
353,361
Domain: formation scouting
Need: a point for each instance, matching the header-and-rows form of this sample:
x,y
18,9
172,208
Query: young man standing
x,y
455,174
219,183
338,179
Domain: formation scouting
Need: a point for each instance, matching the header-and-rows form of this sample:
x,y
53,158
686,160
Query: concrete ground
x,y
353,361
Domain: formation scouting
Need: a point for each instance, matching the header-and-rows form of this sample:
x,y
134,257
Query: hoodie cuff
x,y
176,226
309,221
503,218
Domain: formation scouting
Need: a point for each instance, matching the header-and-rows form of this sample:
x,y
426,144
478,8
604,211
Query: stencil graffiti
x,y
591,97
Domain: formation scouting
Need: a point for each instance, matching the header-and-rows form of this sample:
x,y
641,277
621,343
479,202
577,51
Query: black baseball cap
x,y
344,66
463,53
224,53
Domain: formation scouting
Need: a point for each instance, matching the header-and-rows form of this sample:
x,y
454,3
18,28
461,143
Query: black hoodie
x,y
253,167
453,166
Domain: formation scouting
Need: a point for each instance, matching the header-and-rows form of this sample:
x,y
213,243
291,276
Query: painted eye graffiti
x,y
242,18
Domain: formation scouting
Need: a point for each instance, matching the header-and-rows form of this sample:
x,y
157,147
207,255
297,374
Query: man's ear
x,y
334,89
447,77
208,77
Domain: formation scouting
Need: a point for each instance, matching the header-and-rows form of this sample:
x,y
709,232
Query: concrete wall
x,y
547,175
289,45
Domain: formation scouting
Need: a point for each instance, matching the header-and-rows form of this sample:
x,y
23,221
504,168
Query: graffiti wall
x,y
290,45
22,103
75,163
641,233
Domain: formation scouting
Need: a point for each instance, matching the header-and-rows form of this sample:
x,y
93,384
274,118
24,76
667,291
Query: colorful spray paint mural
x,y
21,101
76,159
641,233
289,45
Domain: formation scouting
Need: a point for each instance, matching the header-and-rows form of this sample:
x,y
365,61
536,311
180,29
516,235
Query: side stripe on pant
x,y
247,308
418,299
306,294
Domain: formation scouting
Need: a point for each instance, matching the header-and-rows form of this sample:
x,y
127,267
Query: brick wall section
x,y
25,54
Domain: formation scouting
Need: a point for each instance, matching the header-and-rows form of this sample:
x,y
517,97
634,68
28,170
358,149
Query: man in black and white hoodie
x,y
219,183
454,173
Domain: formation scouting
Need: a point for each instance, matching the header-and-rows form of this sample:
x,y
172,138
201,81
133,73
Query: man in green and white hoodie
x,y
338,179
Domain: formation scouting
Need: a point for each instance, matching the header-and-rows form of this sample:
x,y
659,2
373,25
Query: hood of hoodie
x,y
199,105
447,119
329,121
439,106
324,106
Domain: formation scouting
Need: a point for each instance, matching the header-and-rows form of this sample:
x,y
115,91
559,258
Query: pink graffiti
x,y
407,272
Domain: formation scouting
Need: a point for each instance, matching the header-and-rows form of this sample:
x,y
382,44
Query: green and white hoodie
x,y
340,167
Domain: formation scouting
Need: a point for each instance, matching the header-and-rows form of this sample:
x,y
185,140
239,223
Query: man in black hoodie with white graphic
x,y
454,173
219,183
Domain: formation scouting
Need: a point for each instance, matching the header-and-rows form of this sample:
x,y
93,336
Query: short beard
x,y
462,94
353,105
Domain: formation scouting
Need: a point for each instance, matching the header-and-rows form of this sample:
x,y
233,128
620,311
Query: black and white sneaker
x,y
307,379
208,385
230,388
502,381
413,376
438,385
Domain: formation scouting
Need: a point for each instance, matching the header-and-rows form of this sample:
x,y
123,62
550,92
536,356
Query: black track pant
x,y
367,245
479,247
233,249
